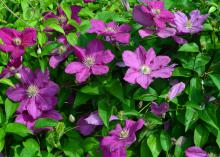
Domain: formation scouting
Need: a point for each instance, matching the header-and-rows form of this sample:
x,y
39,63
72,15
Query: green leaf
x,y
218,139
2,138
201,135
42,38
145,149
190,117
104,113
10,108
6,82
45,122
81,99
91,143
145,95
115,89
49,48
18,129
195,93
90,89
153,143
165,141
189,47
215,79
180,71
66,8
72,38
56,27
31,147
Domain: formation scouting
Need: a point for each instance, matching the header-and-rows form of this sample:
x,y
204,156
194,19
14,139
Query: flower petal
x,y
74,67
100,69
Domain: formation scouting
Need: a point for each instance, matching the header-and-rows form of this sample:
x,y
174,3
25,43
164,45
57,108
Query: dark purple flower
x,y
88,1
26,119
176,90
192,25
15,41
92,60
13,67
87,124
61,53
120,138
111,30
195,152
159,109
36,92
62,18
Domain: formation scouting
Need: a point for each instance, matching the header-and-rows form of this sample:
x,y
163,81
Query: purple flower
x,y
61,53
120,138
144,66
15,41
92,60
87,124
192,25
13,67
36,93
176,90
62,18
195,152
88,1
26,119
159,110
111,31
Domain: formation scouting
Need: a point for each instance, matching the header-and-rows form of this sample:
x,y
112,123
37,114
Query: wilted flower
x,y
62,17
192,25
87,124
61,53
36,92
120,138
159,109
111,31
15,41
13,67
92,60
26,119
176,90
144,66
195,152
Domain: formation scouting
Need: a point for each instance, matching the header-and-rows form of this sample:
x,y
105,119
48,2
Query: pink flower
x,y
145,66
88,1
92,60
176,90
195,152
111,31
15,41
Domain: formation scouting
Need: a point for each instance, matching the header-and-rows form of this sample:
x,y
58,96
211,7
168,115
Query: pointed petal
x,y
131,76
83,75
100,69
74,67
144,81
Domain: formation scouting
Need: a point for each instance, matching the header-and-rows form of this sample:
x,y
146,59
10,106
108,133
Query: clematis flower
x,y
115,144
162,33
192,25
15,41
195,152
88,1
13,67
92,60
159,110
87,124
144,66
61,53
176,90
26,119
111,31
36,92
62,18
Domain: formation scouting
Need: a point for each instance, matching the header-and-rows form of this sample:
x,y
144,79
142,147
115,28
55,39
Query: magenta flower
x,y
15,42
36,93
192,25
61,53
26,119
195,152
88,1
176,90
120,138
62,18
87,124
159,110
92,60
145,66
13,67
111,31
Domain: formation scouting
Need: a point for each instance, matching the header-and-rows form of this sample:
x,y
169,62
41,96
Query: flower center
x,y
155,11
17,41
110,29
12,68
124,134
62,49
89,61
188,25
32,91
145,69
62,18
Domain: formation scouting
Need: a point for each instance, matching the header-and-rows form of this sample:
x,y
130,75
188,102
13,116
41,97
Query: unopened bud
x,y
72,119
39,51
18,76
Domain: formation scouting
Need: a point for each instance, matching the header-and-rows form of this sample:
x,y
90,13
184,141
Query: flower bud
x,y
72,119
39,51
